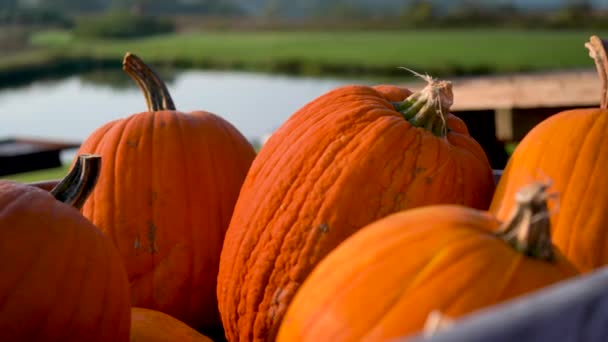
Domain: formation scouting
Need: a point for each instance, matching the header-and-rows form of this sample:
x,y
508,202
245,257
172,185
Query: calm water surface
x,y
71,108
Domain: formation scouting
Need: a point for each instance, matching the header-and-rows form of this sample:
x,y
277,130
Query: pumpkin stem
x,y
528,229
597,51
154,89
428,107
75,188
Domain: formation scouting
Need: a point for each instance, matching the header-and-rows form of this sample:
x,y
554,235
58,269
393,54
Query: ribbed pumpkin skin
x,y
570,149
342,161
154,326
384,281
167,189
62,280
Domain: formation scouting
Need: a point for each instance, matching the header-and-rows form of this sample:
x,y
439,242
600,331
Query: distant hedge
x,y
121,25
42,16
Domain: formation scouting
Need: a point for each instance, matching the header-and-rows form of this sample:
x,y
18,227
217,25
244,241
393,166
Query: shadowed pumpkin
x,y
154,326
347,158
62,279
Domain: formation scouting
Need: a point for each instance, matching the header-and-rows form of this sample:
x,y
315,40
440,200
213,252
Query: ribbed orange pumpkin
x,y
349,157
62,279
165,197
154,326
384,281
570,149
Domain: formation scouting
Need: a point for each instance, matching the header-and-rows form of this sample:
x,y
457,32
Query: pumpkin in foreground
x,y
569,149
384,281
154,326
346,159
62,279
165,197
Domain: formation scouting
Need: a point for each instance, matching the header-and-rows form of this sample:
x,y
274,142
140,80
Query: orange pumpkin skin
x,y
165,196
569,150
384,281
62,279
342,161
154,326
167,189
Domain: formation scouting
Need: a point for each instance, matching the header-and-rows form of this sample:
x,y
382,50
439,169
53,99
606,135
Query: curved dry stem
x,y
428,107
75,188
597,51
528,229
154,89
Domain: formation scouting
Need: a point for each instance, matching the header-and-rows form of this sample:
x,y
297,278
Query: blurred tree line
x,y
126,18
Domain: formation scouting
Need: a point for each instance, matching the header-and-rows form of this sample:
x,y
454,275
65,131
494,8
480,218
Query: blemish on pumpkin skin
x,y
153,197
152,247
324,228
131,143
398,200
137,243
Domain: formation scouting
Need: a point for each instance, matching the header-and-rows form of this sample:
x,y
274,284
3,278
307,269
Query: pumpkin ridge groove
x,y
188,204
577,216
84,275
115,172
567,250
481,245
104,301
154,182
416,152
398,174
423,271
74,246
509,279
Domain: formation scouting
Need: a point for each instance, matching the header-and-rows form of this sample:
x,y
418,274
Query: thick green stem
x,y
597,51
75,188
528,229
154,89
428,107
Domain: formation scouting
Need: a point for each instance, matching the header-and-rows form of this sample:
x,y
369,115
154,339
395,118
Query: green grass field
x,y
39,175
434,51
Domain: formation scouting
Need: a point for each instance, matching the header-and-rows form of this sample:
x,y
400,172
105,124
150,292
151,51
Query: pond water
x,y
71,108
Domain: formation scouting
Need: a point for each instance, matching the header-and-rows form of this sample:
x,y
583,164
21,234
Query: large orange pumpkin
x,y
154,326
384,281
165,197
569,149
349,157
62,279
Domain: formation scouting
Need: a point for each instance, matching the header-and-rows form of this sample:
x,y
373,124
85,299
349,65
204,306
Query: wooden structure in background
x,y
23,154
502,109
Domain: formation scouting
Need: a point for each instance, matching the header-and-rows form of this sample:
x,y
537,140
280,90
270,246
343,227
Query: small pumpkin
x,y
154,326
344,160
570,149
62,279
384,281
165,197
